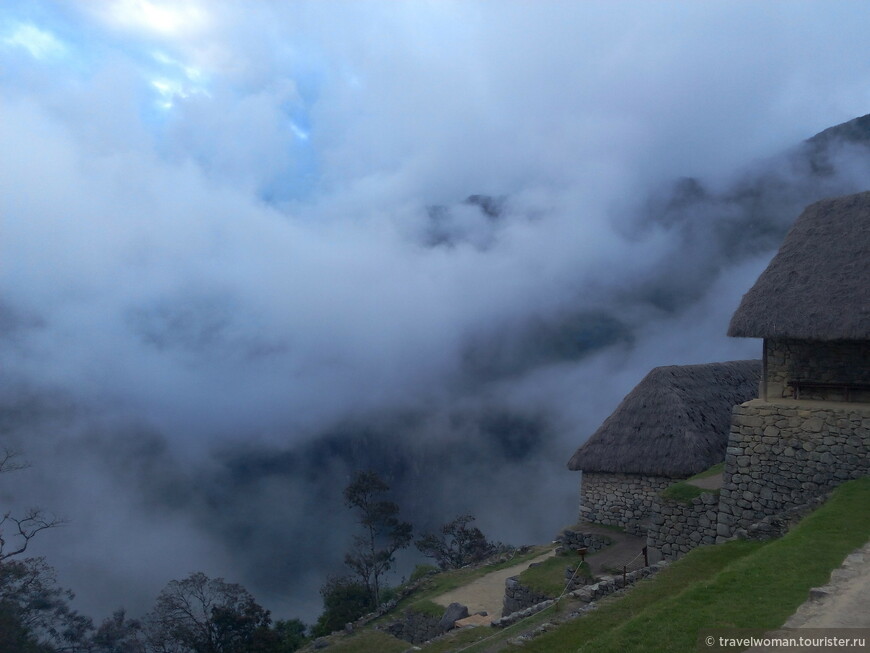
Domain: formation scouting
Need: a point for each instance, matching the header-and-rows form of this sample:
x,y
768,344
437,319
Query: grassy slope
x,y
698,566
427,607
369,641
683,492
548,577
715,469
743,584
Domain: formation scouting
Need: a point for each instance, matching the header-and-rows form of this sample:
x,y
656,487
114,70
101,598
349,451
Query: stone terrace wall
x,y
624,500
781,455
518,597
677,528
415,627
828,362
571,540
588,594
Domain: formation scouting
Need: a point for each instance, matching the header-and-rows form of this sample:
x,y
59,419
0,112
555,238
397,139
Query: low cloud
x,y
439,241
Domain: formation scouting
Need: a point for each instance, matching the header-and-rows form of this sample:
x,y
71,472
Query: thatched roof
x,y
675,422
817,287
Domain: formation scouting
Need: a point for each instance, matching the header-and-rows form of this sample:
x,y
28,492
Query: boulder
x,y
452,614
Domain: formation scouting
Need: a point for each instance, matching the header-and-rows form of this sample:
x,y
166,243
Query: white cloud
x,y
40,43
250,266
172,19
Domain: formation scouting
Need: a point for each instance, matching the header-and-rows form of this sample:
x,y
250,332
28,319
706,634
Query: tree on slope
x,y
345,599
383,534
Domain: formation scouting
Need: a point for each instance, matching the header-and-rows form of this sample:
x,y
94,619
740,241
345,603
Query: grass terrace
x,y
736,584
548,577
684,492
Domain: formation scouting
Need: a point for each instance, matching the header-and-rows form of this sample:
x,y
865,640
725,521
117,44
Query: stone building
x,y
812,306
809,430
674,424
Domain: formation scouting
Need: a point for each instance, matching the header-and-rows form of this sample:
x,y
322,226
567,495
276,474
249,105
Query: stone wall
x,y
836,361
624,500
677,528
783,454
607,585
571,540
518,597
414,627
588,594
576,578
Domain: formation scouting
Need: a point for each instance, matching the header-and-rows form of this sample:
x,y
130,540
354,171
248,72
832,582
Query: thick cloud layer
x,y
249,248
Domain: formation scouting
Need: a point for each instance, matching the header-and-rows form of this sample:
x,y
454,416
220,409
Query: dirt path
x,y
487,593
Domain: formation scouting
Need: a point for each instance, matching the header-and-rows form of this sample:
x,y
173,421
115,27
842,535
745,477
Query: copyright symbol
x,y
710,640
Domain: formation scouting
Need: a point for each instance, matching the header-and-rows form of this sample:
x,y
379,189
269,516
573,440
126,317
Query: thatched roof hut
x,y
817,287
674,423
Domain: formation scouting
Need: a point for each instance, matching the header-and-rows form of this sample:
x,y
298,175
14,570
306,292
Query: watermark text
x,y
785,640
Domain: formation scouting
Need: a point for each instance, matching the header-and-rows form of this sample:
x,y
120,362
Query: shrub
x,y
457,545
421,571
344,599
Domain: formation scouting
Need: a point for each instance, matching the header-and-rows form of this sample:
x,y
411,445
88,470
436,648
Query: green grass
x,y
684,492
427,607
580,526
483,640
707,473
368,641
698,565
737,584
548,578
422,570
458,639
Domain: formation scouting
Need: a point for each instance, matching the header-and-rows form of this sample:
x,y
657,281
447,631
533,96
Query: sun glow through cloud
x,y
169,19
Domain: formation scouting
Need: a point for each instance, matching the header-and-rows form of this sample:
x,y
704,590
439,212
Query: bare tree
x,y
10,461
16,532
